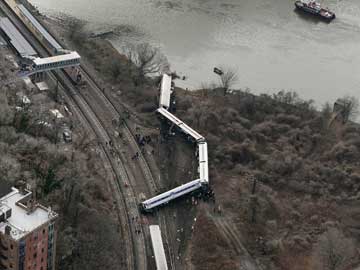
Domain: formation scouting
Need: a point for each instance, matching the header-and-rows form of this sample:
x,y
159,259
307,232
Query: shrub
x,y
291,120
243,153
342,152
6,115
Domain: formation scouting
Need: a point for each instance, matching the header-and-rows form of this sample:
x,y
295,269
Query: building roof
x,y
57,113
57,58
16,39
42,86
23,221
39,27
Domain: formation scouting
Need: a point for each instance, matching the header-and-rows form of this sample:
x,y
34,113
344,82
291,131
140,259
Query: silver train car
x,y
166,197
203,161
198,185
192,134
37,28
165,92
158,247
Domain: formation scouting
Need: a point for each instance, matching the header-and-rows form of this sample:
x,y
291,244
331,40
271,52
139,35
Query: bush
x,y
147,107
342,152
10,168
6,115
243,153
283,163
291,120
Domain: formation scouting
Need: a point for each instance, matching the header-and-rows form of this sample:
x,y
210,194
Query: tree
x,y
115,68
348,108
148,60
76,31
334,251
228,78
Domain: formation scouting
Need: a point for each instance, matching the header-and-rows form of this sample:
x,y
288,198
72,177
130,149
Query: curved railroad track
x,y
126,202
109,110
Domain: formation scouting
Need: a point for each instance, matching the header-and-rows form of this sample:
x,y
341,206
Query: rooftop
x,y
17,40
39,27
57,58
23,219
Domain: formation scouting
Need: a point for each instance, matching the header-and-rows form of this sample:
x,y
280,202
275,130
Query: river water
x,y
271,46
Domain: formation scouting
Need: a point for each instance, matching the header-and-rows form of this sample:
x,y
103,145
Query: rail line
x,y
114,185
152,185
91,110
116,114
128,206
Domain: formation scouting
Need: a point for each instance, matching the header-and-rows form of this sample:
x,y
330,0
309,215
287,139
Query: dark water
x,y
270,45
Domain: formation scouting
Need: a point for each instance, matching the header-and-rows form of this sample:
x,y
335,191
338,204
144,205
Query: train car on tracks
x,y
38,29
158,247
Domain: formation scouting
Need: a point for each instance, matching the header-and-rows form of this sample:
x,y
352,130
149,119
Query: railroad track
x,y
114,185
110,111
153,186
99,125
115,114
127,206
233,237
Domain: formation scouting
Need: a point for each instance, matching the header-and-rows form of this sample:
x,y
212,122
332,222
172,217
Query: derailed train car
x,y
168,196
203,161
200,185
191,134
165,92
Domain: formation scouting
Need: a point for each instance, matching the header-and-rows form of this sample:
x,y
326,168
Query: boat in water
x,y
315,8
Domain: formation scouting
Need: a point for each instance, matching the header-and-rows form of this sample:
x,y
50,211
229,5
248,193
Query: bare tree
x,y
115,68
228,78
148,60
334,251
348,108
76,30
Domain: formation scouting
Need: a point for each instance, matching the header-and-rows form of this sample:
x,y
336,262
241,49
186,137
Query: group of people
x,y
208,195
136,222
136,156
142,140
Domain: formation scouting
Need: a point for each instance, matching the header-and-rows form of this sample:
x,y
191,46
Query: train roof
x,y
158,247
21,45
170,116
204,172
203,152
174,190
39,27
181,124
203,162
197,136
165,91
57,58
